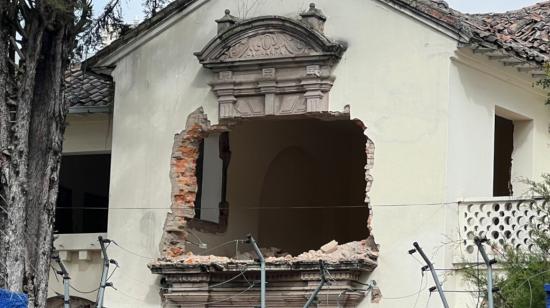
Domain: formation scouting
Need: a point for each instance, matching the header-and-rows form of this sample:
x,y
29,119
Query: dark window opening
x,y
211,174
502,166
294,184
83,197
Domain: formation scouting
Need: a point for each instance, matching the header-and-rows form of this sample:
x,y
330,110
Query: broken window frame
x,y
196,222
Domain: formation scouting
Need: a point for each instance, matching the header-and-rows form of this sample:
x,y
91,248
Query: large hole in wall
x,y
294,184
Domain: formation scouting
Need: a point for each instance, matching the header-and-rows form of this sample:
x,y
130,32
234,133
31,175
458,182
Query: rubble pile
x,y
334,253
331,252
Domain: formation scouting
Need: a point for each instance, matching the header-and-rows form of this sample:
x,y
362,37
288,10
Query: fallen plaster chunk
x,y
376,295
352,251
330,247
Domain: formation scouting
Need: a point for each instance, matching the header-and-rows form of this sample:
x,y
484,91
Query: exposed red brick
x,y
184,184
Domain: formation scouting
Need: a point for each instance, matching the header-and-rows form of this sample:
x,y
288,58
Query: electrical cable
x,y
219,246
111,275
198,238
82,292
410,295
459,268
420,290
262,207
478,281
416,259
131,252
339,297
428,302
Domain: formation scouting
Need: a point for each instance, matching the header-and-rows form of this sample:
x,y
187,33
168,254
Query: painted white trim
x,y
147,35
78,241
479,65
493,199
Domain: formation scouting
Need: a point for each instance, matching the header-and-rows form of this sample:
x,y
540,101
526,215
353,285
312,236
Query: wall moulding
x,y
262,67
271,65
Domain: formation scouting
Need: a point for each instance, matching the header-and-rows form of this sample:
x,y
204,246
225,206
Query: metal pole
x,y
66,278
434,274
262,269
479,243
103,283
319,287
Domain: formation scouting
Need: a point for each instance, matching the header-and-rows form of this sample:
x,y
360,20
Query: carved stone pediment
x,y
271,65
268,45
268,37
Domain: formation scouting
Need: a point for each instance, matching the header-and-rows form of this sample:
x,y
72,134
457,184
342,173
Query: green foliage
x,y
521,275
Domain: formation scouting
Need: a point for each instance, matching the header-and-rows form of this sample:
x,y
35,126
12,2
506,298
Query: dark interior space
x,y
504,146
83,196
307,176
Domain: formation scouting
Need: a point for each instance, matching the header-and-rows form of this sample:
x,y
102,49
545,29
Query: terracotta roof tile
x,y
528,27
523,33
87,89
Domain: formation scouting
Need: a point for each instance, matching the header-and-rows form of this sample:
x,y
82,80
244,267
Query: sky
x,y
133,11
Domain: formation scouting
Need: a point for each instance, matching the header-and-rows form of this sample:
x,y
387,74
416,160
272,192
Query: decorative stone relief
x,y
271,65
192,285
267,45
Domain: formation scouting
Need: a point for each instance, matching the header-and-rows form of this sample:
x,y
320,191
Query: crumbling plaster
x,y
395,79
184,182
264,66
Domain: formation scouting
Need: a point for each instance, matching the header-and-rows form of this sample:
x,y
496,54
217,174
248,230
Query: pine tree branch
x,y
15,46
84,17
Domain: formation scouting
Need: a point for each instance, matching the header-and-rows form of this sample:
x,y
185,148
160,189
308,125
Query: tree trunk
x,y
49,111
30,152
4,140
19,163
31,140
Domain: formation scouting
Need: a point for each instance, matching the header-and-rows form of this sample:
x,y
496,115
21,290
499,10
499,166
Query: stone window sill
x,y
78,246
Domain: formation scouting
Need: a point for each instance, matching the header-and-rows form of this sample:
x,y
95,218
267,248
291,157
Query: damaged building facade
x,y
340,131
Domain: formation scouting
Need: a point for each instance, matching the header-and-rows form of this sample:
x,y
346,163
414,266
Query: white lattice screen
x,y
504,223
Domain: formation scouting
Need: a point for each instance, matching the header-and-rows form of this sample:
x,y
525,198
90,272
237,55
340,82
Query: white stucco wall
x,y
480,89
398,78
85,134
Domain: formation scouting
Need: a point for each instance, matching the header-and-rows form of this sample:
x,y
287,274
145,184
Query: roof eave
x,y
89,109
136,33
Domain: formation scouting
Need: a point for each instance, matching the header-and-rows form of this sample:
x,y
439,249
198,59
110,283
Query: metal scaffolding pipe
x,y
319,287
262,269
